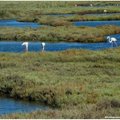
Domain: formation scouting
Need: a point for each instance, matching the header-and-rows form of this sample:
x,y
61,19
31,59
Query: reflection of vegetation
x,y
80,83
61,33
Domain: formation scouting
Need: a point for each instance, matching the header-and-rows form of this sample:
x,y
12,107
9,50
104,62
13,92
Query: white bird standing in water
x,y
75,5
91,5
105,11
43,46
26,45
112,40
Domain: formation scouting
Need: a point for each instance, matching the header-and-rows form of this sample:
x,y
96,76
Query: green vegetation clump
x,y
92,18
87,112
20,10
68,20
57,34
78,83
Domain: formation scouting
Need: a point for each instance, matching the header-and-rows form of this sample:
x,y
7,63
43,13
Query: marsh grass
x,y
76,83
62,80
57,34
58,28
73,112
20,10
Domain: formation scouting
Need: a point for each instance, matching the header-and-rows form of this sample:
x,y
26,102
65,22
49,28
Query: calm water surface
x,y
8,105
96,23
36,46
14,23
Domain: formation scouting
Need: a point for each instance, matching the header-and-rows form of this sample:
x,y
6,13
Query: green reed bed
x,y
41,12
50,4
88,112
37,13
57,34
77,83
93,17
14,10
67,20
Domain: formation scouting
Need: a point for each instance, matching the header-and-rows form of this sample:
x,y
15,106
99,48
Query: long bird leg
x,y
115,44
112,44
43,49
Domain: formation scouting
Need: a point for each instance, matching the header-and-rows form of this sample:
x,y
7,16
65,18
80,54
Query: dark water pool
x,y
96,23
36,46
14,23
8,105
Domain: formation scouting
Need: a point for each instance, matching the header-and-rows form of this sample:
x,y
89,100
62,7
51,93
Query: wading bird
x,y
26,45
105,11
43,46
112,40
75,5
91,5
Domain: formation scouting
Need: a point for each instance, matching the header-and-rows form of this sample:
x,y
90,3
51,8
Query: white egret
x,y
112,40
105,11
26,45
43,46
91,5
75,5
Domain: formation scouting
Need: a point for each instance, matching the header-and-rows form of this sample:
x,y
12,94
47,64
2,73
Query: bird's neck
x,y
109,39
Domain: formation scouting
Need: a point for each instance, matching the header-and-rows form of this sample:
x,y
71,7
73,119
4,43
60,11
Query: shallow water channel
x,y
96,23
9,105
14,23
13,46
